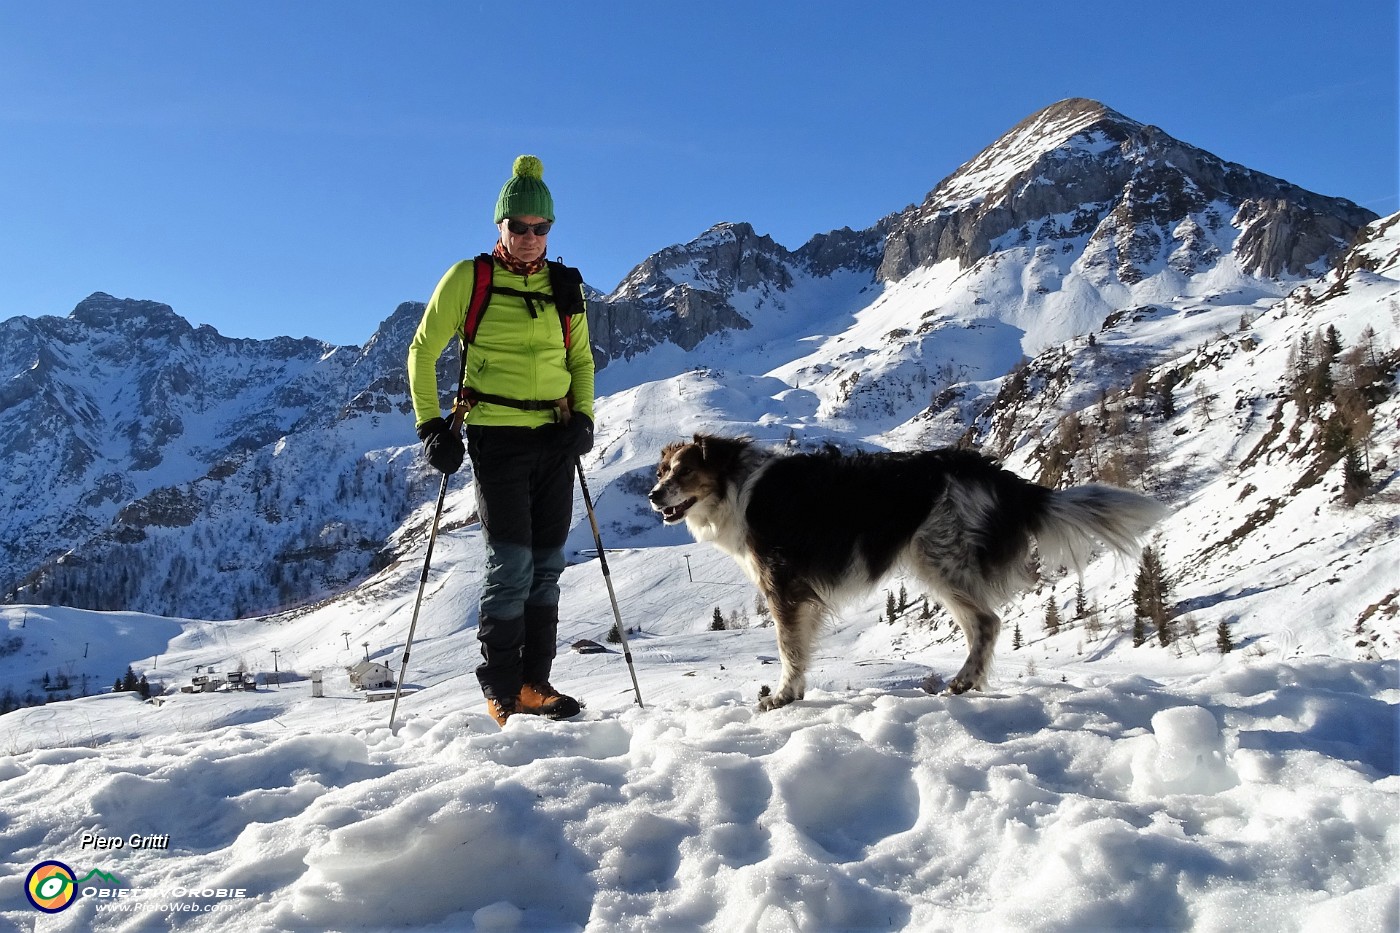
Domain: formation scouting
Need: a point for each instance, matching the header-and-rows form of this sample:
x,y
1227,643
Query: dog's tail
x,y
1075,518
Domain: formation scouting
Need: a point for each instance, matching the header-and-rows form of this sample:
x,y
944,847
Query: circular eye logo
x,y
51,887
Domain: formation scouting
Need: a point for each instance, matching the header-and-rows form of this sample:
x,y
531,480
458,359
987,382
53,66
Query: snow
x,y
1261,795
1094,786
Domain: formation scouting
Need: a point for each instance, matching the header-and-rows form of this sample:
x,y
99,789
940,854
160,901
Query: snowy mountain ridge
x,y
243,450
134,441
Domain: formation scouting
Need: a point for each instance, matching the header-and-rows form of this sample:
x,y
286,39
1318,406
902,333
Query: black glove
x,y
441,445
578,434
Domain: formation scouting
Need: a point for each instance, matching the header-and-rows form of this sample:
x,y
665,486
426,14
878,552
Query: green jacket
x,y
514,356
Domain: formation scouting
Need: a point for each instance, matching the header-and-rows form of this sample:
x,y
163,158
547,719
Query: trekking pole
x,y
418,603
607,578
459,411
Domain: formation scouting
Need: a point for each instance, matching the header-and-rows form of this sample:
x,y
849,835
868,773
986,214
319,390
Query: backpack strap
x,y
481,296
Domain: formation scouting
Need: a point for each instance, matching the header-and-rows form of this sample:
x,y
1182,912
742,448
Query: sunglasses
x,y
519,227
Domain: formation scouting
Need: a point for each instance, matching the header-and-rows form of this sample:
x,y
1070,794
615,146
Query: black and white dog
x,y
813,530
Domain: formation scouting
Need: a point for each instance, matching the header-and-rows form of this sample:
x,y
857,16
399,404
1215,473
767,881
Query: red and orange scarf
x,y
503,256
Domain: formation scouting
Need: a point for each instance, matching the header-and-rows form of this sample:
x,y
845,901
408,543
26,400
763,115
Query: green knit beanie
x,y
525,195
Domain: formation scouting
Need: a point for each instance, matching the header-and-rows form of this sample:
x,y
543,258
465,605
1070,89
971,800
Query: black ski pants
x,y
525,495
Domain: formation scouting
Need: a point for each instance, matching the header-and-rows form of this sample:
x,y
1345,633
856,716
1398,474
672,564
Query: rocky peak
x,y
685,293
1078,169
1070,132
140,319
858,250
726,258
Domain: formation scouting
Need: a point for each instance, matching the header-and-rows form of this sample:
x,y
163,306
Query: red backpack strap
x,y
481,296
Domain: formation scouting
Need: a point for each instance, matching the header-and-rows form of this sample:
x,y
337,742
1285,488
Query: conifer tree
x,y
717,621
1151,595
1052,616
1223,643
1166,634
1331,343
1356,479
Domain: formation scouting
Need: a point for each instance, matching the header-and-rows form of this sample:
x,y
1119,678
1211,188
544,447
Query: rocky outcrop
x,y
1290,237
1078,168
683,294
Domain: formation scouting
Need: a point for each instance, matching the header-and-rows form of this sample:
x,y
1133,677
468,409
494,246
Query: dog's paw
x,y
768,700
960,685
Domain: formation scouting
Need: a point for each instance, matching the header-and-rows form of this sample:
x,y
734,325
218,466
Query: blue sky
x,y
300,168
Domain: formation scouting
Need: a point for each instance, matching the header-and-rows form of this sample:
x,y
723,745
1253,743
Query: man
x,y
529,384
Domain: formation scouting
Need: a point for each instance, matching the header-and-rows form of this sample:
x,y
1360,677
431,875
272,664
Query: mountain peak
x,y
101,311
1130,194
1076,123
1075,110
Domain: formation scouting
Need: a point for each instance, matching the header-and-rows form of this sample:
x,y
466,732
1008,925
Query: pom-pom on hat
x,y
525,195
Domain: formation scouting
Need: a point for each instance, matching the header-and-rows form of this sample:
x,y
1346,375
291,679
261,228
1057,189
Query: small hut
x,y
370,675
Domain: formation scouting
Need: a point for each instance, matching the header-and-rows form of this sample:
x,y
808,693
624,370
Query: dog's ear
x,y
667,452
719,451
710,447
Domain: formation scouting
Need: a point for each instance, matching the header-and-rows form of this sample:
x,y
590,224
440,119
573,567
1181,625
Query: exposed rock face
x,y
684,316
1078,168
687,293
860,250
682,294
1282,237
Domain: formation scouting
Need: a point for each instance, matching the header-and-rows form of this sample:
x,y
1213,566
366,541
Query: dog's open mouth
x,y
671,514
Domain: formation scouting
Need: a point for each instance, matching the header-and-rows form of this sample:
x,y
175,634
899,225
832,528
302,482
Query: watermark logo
x,y
52,886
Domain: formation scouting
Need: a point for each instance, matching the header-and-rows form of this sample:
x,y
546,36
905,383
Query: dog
x,y
815,530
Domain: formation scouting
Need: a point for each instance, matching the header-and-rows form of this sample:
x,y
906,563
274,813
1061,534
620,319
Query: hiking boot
x,y
501,710
543,700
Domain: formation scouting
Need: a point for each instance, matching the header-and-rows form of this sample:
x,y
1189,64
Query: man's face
x,y
527,246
